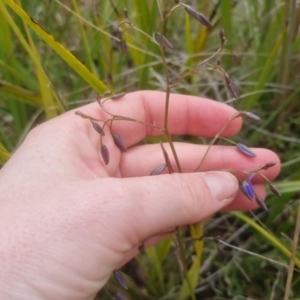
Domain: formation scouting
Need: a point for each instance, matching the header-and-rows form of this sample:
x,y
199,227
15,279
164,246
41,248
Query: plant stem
x,y
166,116
215,138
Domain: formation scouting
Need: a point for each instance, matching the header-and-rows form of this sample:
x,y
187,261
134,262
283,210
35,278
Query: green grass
x,y
70,53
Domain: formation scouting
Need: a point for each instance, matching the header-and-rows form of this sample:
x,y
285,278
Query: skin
x,y
67,220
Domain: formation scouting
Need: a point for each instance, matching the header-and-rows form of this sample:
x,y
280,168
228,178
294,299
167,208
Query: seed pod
x,y
162,40
198,16
118,96
250,115
222,37
231,86
274,190
244,149
119,277
123,47
119,142
104,154
261,203
159,169
247,188
98,128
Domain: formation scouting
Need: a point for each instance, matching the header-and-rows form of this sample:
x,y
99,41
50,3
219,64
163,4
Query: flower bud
x,y
261,203
274,190
105,154
247,188
222,37
250,115
119,142
269,165
159,169
119,296
198,16
119,277
123,47
244,149
231,86
98,128
118,96
162,40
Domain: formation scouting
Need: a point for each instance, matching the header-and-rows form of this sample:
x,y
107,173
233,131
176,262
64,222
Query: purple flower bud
x,y
98,128
162,41
159,169
269,165
123,47
118,96
198,16
244,149
231,86
119,142
82,115
119,277
274,190
261,203
247,188
119,296
105,154
250,115
222,37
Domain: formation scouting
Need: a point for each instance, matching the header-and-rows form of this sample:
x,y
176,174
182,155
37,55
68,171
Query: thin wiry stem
x,y
293,256
215,138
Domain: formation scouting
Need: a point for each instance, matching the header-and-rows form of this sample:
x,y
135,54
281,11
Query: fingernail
x,y
222,185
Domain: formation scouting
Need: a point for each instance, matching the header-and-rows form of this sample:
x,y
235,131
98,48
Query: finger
x,y
244,204
142,160
187,115
161,202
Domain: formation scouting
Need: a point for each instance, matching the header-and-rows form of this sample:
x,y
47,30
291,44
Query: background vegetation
x,y
42,76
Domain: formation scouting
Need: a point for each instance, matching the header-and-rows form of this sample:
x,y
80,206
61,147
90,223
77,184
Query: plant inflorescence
x,y
211,63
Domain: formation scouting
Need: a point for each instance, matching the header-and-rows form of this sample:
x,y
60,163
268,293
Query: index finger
x,y
186,115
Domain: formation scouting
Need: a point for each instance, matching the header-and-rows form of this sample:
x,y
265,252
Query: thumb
x,y
166,201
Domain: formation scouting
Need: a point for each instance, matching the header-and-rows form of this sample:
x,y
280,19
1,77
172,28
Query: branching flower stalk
x,y
159,39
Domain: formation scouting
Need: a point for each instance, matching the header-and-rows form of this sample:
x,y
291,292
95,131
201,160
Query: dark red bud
x,y
104,154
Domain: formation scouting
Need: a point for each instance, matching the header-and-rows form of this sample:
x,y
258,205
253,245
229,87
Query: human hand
x,y
67,220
